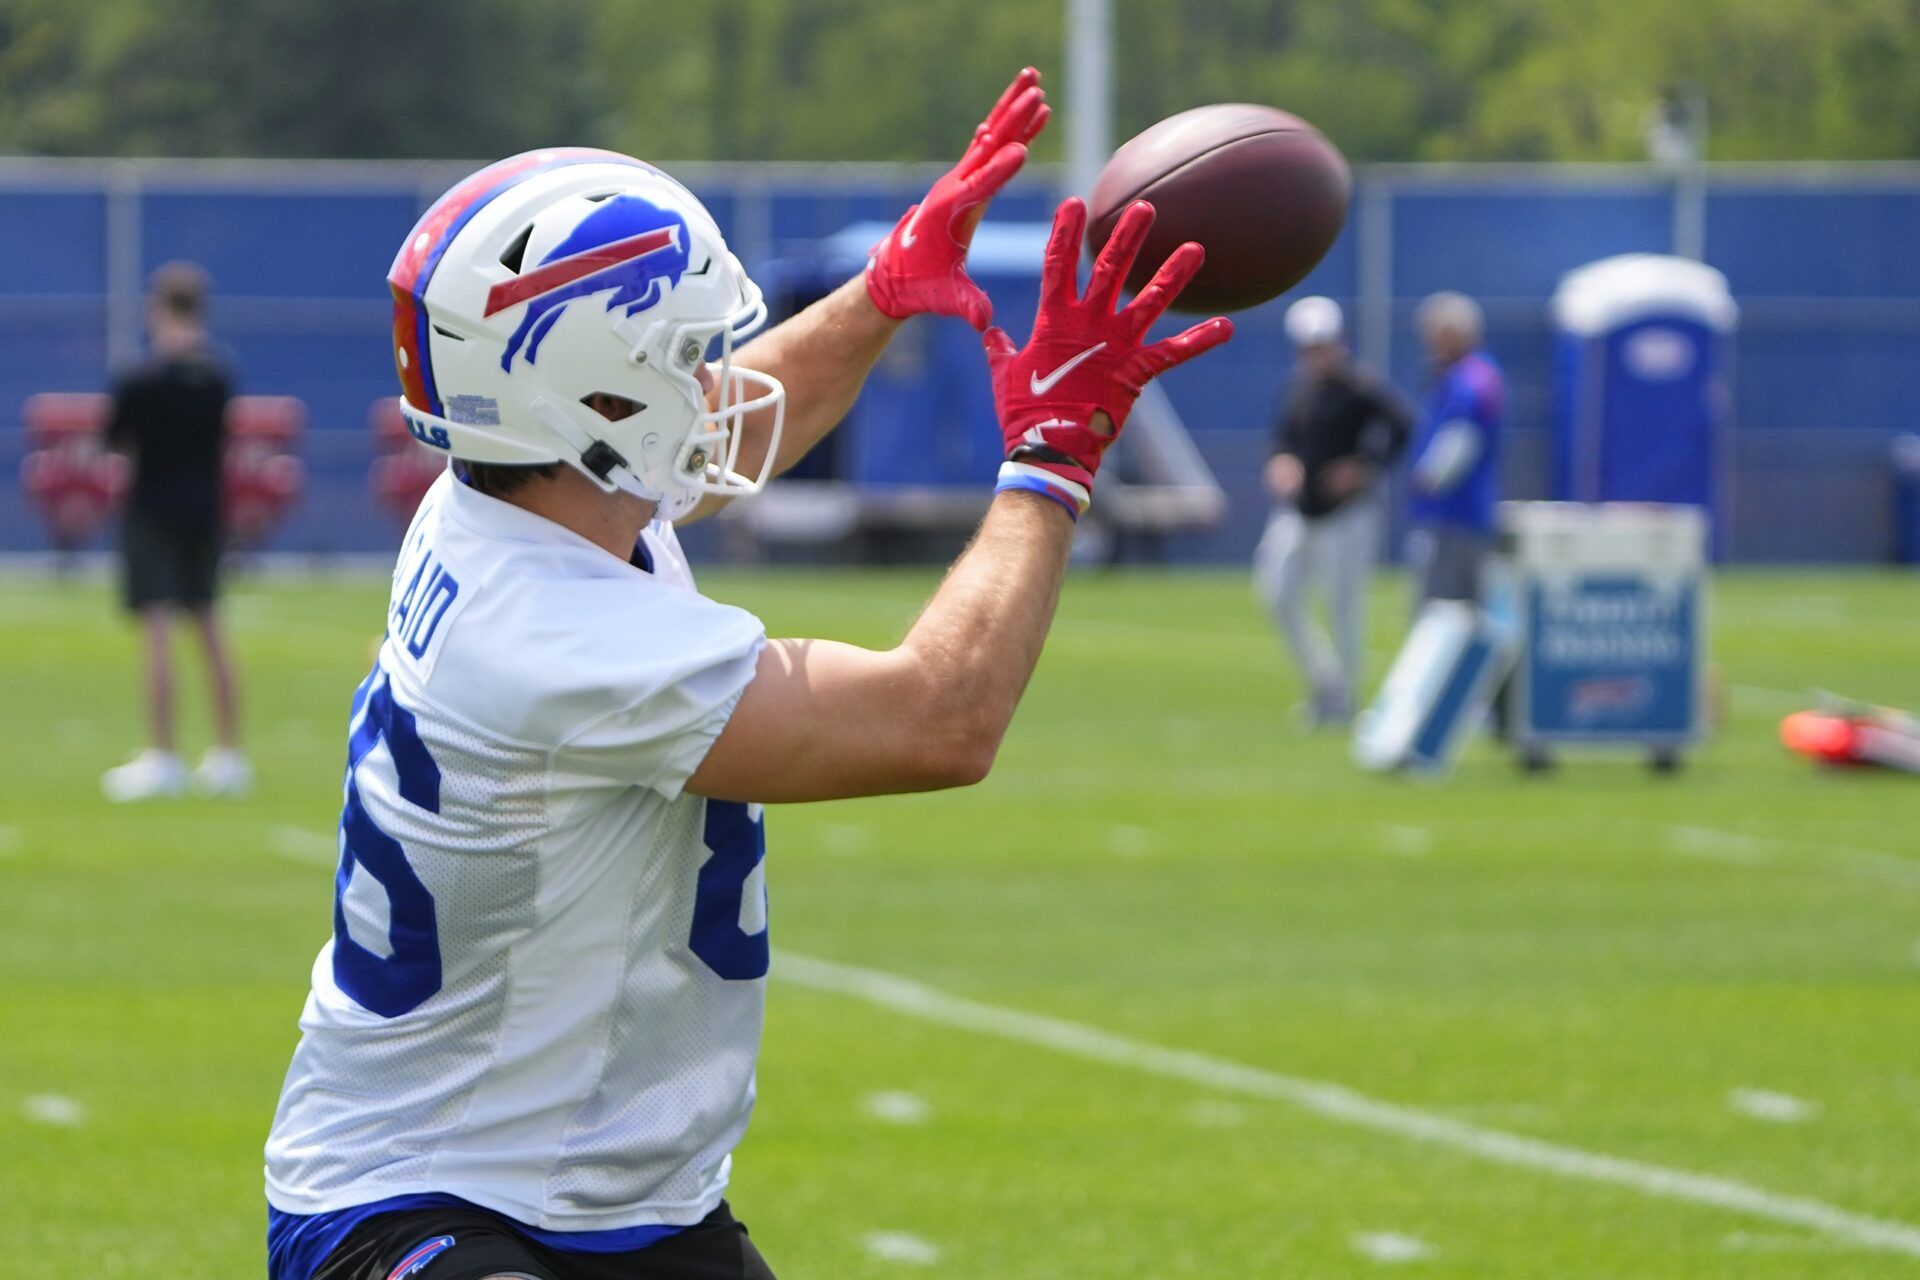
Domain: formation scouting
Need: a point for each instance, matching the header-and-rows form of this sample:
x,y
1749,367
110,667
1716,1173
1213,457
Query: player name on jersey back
x,y
415,614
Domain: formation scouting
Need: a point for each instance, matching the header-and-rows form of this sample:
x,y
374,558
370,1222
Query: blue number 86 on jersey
x,y
401,981
728,892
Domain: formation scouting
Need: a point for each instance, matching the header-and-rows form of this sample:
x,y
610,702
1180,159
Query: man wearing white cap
x,y
1335,434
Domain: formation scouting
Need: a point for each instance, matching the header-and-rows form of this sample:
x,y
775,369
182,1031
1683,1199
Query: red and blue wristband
x,y
1035,479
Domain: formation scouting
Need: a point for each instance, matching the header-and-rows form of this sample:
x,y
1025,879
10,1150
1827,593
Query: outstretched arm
x,y
823,355
822,720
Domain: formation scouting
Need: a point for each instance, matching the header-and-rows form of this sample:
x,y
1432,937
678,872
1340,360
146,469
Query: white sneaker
x,y
148,776
223,772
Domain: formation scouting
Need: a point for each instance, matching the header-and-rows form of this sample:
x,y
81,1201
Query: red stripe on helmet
x,y
565,271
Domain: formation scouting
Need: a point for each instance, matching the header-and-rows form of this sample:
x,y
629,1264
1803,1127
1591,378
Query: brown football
x,y
1261,190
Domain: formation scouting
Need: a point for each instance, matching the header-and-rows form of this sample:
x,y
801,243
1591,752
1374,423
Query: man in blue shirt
x,y
1455,476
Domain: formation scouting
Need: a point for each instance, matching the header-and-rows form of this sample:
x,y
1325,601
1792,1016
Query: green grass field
x,y
1711,974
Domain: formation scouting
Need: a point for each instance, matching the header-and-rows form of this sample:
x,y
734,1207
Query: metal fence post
x,y
1374,272
124,249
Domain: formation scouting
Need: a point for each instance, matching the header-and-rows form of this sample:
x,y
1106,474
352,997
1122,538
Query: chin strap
x,y
601,458
597,458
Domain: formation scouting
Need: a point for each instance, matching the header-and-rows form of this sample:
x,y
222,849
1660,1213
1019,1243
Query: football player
x,y
529,1048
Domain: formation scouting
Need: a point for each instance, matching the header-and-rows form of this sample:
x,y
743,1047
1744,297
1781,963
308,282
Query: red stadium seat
x,y
56,416
76,482
263,477
402,471
70,477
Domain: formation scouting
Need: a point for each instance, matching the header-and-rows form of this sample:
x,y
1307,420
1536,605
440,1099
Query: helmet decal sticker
x,y
627,245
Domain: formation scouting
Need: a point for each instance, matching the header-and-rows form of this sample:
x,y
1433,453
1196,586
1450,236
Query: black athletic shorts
x,y
168,564
485,1244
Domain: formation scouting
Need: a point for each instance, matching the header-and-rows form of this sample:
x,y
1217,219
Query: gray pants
x,y
1336,553
1447,562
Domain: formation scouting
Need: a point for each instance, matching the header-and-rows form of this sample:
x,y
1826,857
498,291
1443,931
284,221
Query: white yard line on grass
x,y
1715,845
297,844
54,1109
1347,1106
1391,1246
1878,863
896,1106
1774,1108
898,1246
1527,1113
1742,850
842,839
1404,841
295,732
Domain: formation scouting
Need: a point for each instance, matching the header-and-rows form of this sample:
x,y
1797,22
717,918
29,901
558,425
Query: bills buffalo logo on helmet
x,y
627,244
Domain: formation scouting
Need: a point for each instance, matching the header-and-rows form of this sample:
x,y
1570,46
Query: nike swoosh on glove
x,y
921,265
1085,357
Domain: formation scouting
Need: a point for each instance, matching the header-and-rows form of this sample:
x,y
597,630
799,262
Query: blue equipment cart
x,y
1609,602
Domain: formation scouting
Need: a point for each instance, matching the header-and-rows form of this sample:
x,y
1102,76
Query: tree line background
x,y
907,79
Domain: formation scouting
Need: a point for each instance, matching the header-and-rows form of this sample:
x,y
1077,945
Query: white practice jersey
x,y
545,984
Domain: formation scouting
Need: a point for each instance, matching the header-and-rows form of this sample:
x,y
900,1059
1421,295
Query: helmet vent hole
x,y
514,254
445,332
610,406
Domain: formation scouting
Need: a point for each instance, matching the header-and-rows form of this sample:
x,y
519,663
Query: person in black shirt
x,y
1336,433
169,417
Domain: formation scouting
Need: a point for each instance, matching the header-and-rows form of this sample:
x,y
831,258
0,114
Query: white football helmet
x,y
553,275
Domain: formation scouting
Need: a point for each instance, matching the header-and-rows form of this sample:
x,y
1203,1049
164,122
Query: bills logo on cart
x,y
1598,697
627,245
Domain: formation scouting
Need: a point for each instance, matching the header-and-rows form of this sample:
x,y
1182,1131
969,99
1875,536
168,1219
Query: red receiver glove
x,y
1084,357
921,265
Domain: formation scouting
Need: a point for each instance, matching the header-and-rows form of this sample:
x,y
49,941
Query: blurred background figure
x,y
1336,432
169,417
1454,481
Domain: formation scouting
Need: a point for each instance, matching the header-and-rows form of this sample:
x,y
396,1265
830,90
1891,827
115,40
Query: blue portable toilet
x,y
1643,354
